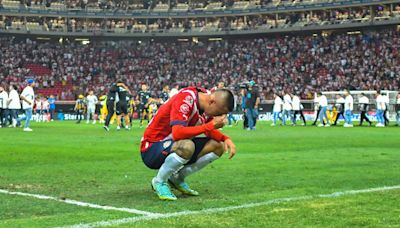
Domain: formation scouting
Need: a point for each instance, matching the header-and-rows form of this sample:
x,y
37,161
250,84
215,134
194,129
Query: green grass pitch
x,y
85,163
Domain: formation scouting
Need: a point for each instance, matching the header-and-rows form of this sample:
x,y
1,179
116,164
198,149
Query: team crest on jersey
x,y
167,144
184,109
188,100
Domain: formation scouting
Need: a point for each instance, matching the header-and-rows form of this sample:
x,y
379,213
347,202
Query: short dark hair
x,y
228,98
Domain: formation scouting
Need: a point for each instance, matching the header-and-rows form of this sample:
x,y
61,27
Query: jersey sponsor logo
x,y
188,100
166,144
184,109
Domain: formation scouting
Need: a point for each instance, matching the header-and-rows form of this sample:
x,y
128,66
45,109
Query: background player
x,y
80,108
111,100
164,95
91,101
122,107
144,96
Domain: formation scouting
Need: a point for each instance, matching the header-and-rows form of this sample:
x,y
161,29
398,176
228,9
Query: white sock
x,y
171,164
199,164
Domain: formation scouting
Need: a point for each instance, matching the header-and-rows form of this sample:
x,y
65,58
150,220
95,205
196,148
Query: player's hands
x,y
230,146
219,121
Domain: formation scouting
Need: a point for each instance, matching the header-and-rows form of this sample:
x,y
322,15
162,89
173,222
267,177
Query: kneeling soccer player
x,y
170,143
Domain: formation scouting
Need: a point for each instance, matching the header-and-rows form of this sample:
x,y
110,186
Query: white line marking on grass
x,y
130,220
78,203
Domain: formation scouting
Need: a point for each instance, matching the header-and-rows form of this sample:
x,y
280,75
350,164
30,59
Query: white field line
x,y
131,220
78,203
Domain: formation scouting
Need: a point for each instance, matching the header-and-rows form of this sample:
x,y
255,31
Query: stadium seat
x,y
181,7
240,5
161,8
11,4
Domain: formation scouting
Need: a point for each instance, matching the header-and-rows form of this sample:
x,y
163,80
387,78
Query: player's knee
x,y
184,148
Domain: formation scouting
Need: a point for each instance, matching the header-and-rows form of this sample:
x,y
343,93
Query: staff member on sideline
x,y
28,99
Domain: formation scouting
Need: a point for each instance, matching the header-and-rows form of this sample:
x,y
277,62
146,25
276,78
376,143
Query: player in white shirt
x,y
174,91
317,108
380,108
386,99
3,106
45,109
348,108
277,109
287,108
14,104
298,109
28,99
363,102
91,101
323,104
39,109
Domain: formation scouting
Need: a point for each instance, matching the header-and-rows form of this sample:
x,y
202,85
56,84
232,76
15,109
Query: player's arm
x,y
26,99
228,143
148,102
124,86
179,131
8,101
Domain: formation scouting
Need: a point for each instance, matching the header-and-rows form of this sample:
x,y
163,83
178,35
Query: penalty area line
x,y
79,203
131,220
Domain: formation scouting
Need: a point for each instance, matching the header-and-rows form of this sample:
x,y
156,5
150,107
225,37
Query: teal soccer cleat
x,y
162,190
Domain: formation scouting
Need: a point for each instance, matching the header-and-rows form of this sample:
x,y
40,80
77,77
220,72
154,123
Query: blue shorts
x,y
156,153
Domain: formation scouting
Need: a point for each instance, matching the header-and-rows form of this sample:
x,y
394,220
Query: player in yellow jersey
x,y
103,109
153,107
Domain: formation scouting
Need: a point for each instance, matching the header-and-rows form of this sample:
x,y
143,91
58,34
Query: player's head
x,y
221,102
30,82
378,92
10,87
346,92
221,85
1,88
91,92
166,88
144,87
251,84
319,94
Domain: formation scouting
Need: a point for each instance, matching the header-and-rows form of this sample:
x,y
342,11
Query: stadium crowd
x,y
161,5
253,22
300,64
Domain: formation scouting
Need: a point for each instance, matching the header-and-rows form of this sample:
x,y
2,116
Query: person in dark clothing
x,y
144,97
251,104
364,105
122,107
111,102
316,103
339,108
